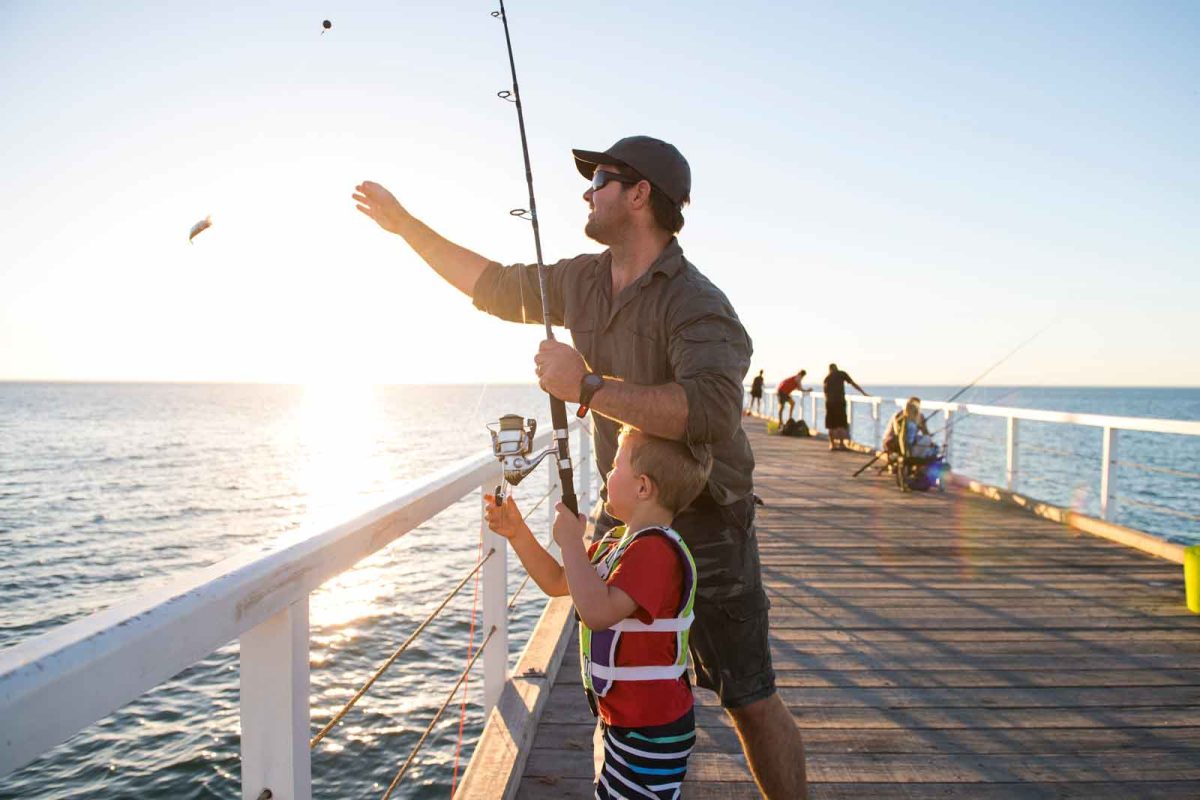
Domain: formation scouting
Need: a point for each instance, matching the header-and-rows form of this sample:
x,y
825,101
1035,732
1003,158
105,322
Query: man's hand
x,y
506,519
381,205
568,527
560,368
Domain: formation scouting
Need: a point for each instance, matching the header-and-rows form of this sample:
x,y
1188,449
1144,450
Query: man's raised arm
x,y
458,265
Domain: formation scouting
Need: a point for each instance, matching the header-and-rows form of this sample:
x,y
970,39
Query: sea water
x,y
107,490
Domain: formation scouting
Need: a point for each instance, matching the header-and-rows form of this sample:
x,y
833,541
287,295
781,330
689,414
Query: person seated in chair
x,y
908,434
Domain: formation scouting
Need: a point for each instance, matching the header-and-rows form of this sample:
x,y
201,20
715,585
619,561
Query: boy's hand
x,y
568,527
506,519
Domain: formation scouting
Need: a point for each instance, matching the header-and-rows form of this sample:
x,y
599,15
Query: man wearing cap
x,y
658,347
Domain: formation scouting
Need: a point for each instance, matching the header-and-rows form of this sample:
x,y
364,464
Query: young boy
x,y
633,591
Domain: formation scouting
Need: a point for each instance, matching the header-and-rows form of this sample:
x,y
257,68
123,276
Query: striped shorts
x,y
646,762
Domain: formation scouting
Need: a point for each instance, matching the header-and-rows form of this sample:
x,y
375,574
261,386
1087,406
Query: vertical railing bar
x,y
274,706
1108,474
495,611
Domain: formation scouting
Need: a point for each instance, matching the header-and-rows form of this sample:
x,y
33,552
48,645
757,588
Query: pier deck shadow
x,y
939,646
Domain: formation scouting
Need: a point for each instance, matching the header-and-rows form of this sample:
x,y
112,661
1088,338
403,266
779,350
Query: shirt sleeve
x,y
709,358
514,293
649,571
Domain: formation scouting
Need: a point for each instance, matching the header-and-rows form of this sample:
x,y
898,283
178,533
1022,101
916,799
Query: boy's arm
x,y
547,573
600,606
506,521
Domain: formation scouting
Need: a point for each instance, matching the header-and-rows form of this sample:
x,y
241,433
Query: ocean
x,y
107,490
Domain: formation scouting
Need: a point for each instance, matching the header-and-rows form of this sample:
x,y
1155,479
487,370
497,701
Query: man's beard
x,y
595,231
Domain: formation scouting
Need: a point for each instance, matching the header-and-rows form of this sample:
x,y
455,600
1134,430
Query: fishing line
x,y
969,386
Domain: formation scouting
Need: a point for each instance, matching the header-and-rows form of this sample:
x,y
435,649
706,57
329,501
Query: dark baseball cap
x,y
655,160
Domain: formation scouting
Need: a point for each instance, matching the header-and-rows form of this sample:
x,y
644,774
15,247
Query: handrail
x,y
56,684
1110,426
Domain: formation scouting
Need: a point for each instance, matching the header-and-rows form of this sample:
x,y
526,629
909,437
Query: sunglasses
x,y
600,179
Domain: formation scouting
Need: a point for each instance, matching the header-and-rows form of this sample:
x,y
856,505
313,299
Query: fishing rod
x,y
968,387
512,442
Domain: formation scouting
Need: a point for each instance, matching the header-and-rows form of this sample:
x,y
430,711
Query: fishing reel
x,y
512,444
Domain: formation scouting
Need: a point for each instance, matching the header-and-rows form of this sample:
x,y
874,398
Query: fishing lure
x,y
199,228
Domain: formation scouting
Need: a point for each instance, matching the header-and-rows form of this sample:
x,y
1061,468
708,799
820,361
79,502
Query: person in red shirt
x,y
633,590
785,389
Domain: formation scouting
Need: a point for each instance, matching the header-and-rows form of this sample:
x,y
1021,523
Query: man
x,y
658,347
835,406
784,394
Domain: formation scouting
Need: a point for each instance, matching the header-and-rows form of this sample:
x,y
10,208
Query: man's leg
x,y
730,642
773,747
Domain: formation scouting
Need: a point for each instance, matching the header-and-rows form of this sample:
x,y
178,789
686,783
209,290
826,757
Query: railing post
x,y
813,400
274,706
850,419
1108,475
876,441
553,495
585,470
947,429
1012,454
495,613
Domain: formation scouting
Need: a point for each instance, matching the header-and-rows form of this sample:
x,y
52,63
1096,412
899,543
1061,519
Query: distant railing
x,y
1110,427
57,684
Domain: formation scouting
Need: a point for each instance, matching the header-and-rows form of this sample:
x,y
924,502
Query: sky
x,y
908,189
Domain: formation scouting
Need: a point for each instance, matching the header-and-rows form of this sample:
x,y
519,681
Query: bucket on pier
x,y
772,426
1191,577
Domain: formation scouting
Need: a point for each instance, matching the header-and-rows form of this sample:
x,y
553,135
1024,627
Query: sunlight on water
x,y
340,426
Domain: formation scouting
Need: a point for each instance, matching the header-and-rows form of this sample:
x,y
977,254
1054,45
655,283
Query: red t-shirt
x,y
651,573
788,385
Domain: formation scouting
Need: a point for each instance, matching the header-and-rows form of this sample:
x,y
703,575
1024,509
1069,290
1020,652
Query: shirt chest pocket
x,y
638,355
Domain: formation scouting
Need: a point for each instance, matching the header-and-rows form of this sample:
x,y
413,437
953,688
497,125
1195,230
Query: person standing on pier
x,y
836,421
756,394
638,579
658,347
784,394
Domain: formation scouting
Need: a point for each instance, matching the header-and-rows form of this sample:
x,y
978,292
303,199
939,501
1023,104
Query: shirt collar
x,y
669,261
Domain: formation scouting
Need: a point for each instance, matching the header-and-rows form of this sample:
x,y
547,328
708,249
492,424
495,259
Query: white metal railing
x,y
57,684
1110,427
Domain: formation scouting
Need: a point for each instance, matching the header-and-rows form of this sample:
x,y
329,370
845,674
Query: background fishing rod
x,y
968,387
558,409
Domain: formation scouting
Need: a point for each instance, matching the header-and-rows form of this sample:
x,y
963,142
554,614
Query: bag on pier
x,y
794,427
927,476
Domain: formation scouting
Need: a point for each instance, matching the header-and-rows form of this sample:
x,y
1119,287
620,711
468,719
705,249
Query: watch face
x,y
593,382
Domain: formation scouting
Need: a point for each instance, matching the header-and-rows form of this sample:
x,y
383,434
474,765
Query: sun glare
x,y
338,427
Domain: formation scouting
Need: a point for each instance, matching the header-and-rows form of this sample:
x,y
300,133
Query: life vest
x,y
598,649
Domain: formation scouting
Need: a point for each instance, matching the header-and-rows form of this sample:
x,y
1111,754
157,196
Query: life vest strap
x,y
666,673
664,625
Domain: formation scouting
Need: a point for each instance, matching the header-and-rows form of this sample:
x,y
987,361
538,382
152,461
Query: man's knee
x,y
759,712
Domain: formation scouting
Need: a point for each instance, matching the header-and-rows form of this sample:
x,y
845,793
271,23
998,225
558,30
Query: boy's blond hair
x,y
677,473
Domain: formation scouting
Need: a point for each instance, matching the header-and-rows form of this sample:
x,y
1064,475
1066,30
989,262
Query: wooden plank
x,y
579,789
717,738
1162,765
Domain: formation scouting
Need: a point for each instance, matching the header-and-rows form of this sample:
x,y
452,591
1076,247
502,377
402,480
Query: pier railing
x,y
57,684
880,410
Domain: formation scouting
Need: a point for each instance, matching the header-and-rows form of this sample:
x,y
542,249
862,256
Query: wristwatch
x,y
588,386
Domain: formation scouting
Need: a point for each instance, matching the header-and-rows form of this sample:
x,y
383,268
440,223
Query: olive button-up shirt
x,y
671,325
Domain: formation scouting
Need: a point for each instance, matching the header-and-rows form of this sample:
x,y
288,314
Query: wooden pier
x,y
930,645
